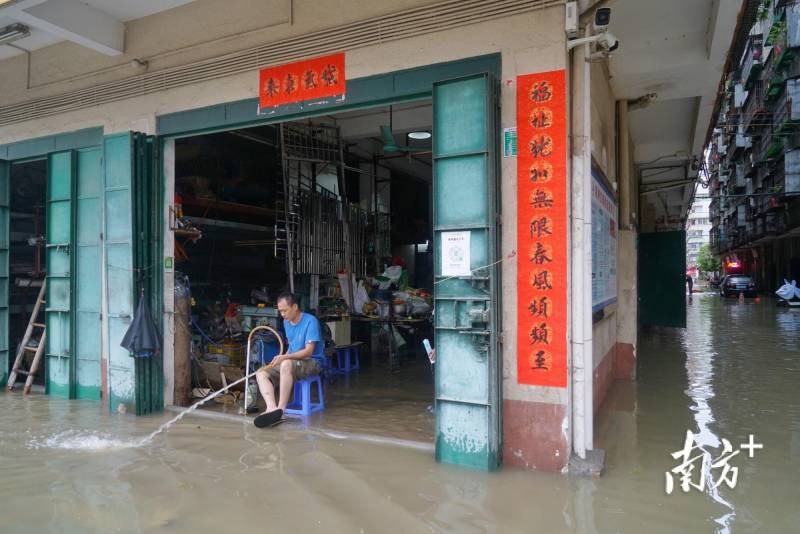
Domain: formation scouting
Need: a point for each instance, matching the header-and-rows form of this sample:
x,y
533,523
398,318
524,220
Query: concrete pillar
x,y
581,330
628,305
624,364
624,171
183,342
536,426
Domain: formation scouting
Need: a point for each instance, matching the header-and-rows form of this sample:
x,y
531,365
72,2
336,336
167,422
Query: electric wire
x,y
511,255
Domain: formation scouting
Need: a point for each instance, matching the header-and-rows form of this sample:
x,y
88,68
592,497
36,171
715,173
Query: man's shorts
x,y
301,369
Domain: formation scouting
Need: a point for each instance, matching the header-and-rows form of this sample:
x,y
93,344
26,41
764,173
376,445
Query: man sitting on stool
x,y
303,359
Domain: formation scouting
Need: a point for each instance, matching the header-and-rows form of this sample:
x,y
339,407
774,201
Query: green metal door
x,y
60,369
466,320
5,170
118,213
147,247
132,209
662,279
88,217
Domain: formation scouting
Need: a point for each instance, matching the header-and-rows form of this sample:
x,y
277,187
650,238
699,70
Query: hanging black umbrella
x,y
141,339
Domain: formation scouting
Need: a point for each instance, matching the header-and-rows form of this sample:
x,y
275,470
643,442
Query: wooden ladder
x,y
18,368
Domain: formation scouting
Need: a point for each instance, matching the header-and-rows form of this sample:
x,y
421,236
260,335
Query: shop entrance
x,y
27,260
50,233
294,206
463,212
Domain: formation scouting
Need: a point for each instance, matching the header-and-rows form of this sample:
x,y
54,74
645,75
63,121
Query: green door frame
x,y
148,280
370,91
384,89
467,318
59,307
45,147
86,268
5,221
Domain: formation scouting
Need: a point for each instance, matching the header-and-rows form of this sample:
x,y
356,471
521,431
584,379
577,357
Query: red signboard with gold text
x,y
542,229
310,79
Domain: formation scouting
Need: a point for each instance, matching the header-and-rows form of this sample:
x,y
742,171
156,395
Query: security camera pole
x,y
604,38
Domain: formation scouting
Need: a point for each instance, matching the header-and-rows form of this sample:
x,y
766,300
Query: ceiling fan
x,y
389,145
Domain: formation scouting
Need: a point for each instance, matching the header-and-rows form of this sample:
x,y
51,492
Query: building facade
x,y
755,177
698,229
528,343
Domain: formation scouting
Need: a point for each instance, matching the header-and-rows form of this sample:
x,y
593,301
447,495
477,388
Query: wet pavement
x,y
375,401
735,371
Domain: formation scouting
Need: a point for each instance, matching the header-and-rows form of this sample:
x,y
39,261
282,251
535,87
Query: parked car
x,y
733,284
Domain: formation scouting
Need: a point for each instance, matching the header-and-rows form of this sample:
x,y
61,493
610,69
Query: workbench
x,y
412,330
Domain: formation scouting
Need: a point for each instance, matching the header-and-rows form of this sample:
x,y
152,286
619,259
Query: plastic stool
x,y
347,358
301,403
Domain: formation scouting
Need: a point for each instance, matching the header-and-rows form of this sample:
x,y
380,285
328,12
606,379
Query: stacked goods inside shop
x,y
329,209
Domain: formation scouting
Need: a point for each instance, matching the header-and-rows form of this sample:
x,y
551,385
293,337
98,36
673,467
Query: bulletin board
x,y
604,243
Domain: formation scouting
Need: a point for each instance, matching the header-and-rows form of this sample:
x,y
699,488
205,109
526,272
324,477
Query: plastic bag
x,y
393,273
400,295
788,291
383,282
418,306
361,297
344,283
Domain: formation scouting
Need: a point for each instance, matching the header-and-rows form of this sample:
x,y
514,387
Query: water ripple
x,y
81,440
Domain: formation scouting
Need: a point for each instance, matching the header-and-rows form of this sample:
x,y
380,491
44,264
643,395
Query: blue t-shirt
x,y
302,333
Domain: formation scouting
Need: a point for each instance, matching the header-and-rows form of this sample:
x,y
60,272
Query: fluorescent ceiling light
x,y
420,135
4,3
13,32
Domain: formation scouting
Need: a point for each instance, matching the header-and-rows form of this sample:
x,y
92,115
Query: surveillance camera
x,y
607,42
602,18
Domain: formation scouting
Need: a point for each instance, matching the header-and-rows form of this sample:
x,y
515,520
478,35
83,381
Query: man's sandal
x,y
269,419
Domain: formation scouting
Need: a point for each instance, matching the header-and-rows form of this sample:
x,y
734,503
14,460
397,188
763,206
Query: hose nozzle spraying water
x,y
219,392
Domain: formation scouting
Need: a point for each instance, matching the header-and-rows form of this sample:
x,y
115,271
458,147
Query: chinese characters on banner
x,y
542,229
310,79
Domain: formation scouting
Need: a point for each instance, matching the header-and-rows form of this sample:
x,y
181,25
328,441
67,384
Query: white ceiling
x,y
676,49
125,10
664,127
96,24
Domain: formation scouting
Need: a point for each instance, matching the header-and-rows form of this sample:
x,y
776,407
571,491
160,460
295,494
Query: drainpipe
x,y
581,255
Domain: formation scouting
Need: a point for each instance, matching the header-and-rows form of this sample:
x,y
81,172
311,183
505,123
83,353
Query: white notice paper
x,y
455,254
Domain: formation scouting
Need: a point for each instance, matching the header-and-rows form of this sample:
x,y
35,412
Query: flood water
x,y
67,467
375,401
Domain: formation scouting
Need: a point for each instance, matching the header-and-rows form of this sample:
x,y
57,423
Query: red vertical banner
x,y
542,204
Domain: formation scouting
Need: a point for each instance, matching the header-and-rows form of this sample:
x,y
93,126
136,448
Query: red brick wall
x,y
533,435
618,364
533,432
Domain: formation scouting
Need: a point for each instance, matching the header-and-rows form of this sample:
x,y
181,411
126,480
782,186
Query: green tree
x,y
706,261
